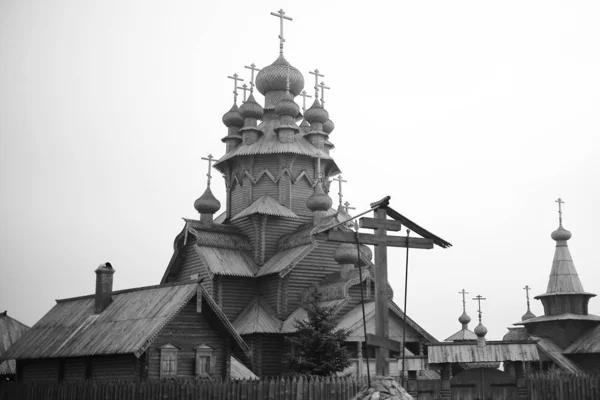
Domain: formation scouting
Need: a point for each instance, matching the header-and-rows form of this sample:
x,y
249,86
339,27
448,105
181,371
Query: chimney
x,y
104,283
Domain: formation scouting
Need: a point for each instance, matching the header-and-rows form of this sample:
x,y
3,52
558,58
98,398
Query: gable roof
x,y
237,370
461,336
127,326
587,343
227,262
554,352
10,331
266,205
257,317
285,260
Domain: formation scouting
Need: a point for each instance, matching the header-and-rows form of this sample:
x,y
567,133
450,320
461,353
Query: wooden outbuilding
x,y
10,331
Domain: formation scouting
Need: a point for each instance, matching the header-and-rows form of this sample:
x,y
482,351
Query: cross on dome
x,y
340,180
317,75
304,96
323,87
464,292
560,203
210,160
479,298
235,78
253,68
244,87
281,15
347,206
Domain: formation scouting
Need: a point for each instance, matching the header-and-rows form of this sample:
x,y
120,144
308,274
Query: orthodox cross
x,y
526,288
281,15
464,302
317,75
253,68
235,86
244,87
340,180
304,96
381,241
323,87
560,202
347,206
210,160
479,298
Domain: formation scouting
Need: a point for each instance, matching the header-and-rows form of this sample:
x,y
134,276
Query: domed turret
x,y
232,118
561,234
464,319
274,77
328,126
287,106
480,331
251,109
516,333
207,205
316,113
319,200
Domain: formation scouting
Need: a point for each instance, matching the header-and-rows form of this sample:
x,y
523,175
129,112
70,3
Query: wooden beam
x,y
385,343
367,238
372,223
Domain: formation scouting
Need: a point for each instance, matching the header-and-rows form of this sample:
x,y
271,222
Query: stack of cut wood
x,y
383,388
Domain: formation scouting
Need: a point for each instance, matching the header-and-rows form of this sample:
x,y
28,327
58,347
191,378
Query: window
x,y
168,361
204,360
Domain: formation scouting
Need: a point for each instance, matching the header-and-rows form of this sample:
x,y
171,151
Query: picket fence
x,y
303,388
560,386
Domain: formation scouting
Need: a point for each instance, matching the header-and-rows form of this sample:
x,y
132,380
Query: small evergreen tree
x,y
319,346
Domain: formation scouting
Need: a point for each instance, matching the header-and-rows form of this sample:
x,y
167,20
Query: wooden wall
x,y
70,369
563,333
191,264
272,354
587,362
186,331
236,294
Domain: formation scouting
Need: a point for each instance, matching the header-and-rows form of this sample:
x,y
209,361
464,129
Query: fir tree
x,y
319,347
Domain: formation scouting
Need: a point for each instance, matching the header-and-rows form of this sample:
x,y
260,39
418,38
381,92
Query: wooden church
x,y
236,282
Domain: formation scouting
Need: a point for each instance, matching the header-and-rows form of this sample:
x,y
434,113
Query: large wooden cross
x,y
235,78
304,96
281,15
210,160
253,68
381,241
317,75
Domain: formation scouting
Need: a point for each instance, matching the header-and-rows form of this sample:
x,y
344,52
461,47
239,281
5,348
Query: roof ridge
x,y
129,290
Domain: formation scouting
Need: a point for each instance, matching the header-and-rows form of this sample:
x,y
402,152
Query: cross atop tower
x,y
560,202
235,86
527,288
464,292
244,87
317,75
347,206
281,15
323,87
479,298
304,96
210,160
253,68
340,180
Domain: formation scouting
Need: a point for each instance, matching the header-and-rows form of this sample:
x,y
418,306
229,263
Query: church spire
x,y
565,293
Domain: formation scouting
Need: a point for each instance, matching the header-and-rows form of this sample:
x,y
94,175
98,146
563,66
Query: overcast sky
x,y
473,116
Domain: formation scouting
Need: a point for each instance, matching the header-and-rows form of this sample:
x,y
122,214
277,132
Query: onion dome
x,y
274,77
319,200
561,234
516,333
316,113
346,254
207,203
480,330
251,109
527,315
328,126
233,117
287,106
464,319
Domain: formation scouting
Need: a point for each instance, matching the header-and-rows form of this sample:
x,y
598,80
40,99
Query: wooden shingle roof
x,y
440,353
127,326
10,331
227,262
285,260
555,353
588,343
266,205
257,317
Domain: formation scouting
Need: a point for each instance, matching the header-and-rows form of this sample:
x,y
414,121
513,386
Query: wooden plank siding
x,y
191,264
74,369
563,333
37,370
268,288
354,293
186,331
276,228
236,294
119,366
312,269
272,354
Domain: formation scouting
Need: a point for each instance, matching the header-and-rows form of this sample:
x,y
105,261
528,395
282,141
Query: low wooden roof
x,y
588,343
127,326
555,353
227,262
461,336
238,371
10,331
266,205
440,353
560,317
285,260
257,317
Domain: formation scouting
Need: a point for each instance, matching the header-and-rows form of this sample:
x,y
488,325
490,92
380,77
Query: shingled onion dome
x,y
328,126
480,331
561,234
347,257
287,109
319,200
516,333
271,82
527,315
207,205
233,121
316,116
251,112
464,320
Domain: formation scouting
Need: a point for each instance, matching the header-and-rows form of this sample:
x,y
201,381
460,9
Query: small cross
x,y
340,180
281,15
479,298
323,87
560,202
304,96
347,206
317,75
244,87
253,68
527,288
464,302
210,160
235,86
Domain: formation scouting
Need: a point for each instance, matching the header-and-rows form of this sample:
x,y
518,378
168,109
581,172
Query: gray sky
x,y
474,116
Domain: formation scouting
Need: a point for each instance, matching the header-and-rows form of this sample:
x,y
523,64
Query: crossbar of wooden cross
x,y
380,239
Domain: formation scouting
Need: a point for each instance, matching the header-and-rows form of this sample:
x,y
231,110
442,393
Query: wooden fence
x,y
562,386
303,388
